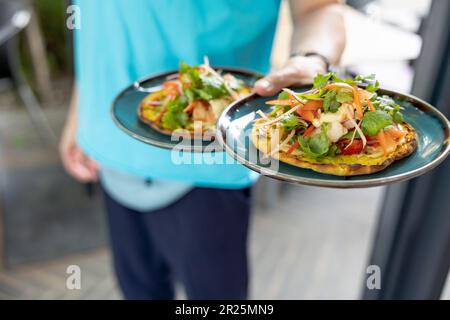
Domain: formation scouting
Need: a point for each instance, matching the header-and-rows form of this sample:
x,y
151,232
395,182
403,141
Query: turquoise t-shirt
x,y
122,40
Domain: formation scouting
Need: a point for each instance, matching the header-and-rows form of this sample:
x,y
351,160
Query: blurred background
x,y
301,246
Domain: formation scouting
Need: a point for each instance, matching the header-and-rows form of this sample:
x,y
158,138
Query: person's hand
x,y
298,70
76,163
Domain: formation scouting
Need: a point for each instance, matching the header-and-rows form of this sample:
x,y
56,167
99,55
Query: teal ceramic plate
x,y
432,127
124,111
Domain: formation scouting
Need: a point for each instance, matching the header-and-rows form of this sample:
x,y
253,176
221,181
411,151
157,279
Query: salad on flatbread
x,y
191,101
340,127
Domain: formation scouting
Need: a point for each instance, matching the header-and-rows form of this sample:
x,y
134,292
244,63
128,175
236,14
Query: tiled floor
x,y
306,249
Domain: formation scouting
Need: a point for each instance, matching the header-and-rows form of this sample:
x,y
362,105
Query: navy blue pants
x,y
200,241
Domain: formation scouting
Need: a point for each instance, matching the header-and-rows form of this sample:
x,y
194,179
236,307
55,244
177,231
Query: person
x,y
179,223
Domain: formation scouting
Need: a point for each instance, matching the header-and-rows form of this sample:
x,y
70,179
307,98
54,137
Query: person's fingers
x,y
92,167
277,80
84,168
284,77
79,166
298,71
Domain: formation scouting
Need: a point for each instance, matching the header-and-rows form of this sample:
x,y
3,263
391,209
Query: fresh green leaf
x,y
349,81
211,92
190,75
275,110
386,101
396,115
309,96
374,121
333,151
190,94
373,87
292,122
174,120
204,94
365,78
314,146
283,95
178,104
330,104
212,88
321,80
211,80
184,67
349,135
344,95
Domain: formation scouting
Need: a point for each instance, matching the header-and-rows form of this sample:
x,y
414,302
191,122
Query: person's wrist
x,y
298,70
309,65
314,57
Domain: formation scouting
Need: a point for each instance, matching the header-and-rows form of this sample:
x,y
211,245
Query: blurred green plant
x,y
51,17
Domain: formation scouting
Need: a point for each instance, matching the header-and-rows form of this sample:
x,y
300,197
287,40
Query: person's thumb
x,y
277,80
268,85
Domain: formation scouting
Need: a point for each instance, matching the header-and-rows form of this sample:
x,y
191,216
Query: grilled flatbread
x,y
191,101
339,127
341,165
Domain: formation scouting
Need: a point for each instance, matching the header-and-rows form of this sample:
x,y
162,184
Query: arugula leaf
x,y
283,95
211,80
178,104
175,117
211,92
389,105
373,84
349,135
333,151
373,87
190,94
190,75
204,94
212,88
386,101
309,96
330,103
365,78
292,122
374,121
321,80
273,113
396,115
344,95
314,146
349,81
174,120
184,67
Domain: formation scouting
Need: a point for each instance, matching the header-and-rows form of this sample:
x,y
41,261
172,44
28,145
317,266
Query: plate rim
x,y
165,145
341,183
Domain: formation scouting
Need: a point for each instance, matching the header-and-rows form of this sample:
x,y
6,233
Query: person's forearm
x,y
319,29
72,114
